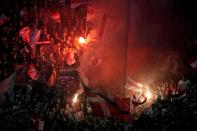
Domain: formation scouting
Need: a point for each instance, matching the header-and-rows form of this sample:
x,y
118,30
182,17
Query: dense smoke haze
x,y
142,39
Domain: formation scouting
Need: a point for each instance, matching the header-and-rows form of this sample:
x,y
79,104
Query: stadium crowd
x,y
44,108
58,28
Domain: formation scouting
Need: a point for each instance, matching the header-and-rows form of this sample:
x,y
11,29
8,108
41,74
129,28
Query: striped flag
x,y
29,36
103,106
124,103
134,86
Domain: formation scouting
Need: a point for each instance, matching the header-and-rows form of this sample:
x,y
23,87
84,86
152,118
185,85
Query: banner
x,y
68,78
103,106
133,86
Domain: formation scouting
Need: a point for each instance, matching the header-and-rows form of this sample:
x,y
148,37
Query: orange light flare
x,y
150,95
82,41
75,98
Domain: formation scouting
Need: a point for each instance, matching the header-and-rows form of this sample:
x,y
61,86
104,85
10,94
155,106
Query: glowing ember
x,y
75,98
82,41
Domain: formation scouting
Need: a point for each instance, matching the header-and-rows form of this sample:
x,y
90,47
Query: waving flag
x,y
29,36
77,3
24,33
103,106
124,103
34,38
133,85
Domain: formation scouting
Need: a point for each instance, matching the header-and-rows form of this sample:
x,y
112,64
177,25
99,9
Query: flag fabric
x,y
124,103
77,3
52,79
133,85
138,101
24,33
103,106
34,38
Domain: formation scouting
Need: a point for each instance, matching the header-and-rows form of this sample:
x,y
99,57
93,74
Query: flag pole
x,y
86,31
128,21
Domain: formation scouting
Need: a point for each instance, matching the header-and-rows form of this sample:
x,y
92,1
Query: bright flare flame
x,y
148,94
82,41
75,98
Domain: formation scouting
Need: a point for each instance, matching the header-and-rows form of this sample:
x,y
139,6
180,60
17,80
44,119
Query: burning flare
x,y
75,98
82,41
148,94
